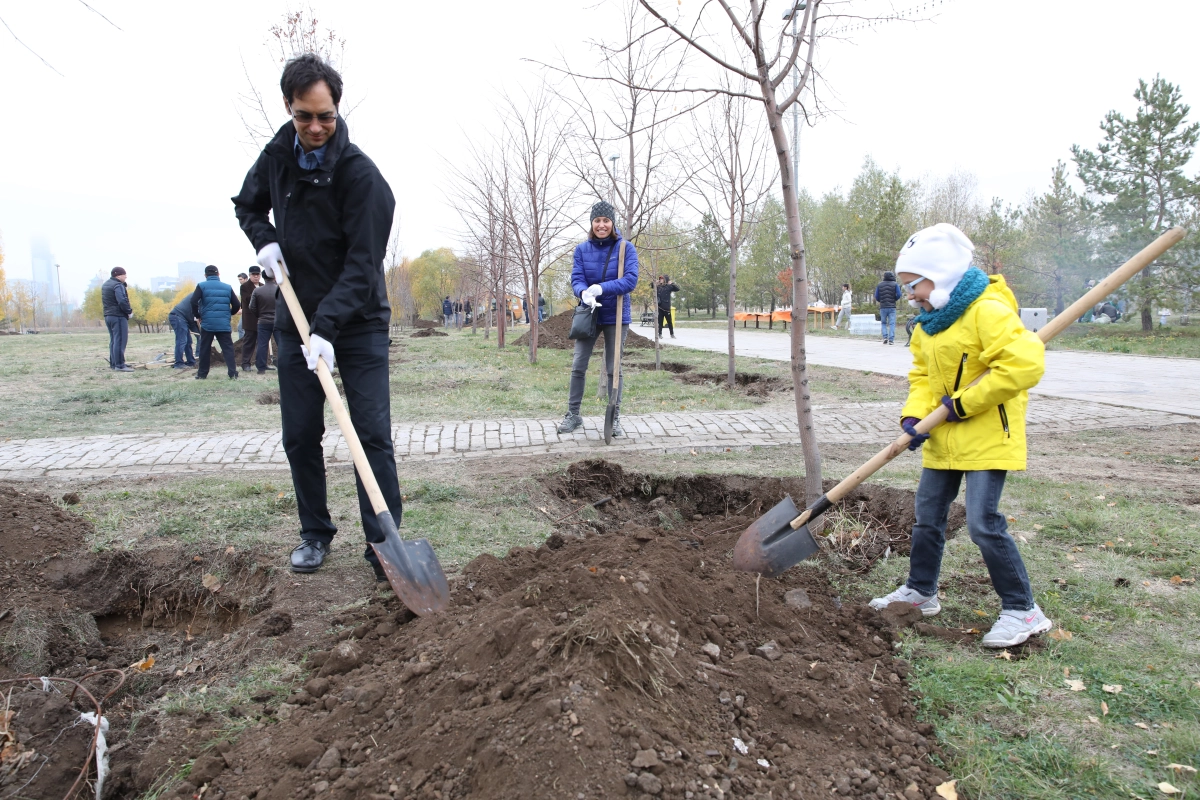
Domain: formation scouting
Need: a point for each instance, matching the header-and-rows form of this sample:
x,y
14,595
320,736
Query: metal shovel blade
x,y
610,416
770,546
412,569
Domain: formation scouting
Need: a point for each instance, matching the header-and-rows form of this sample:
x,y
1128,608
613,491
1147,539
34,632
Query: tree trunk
x,y
799,360
534,323
1147,318
733,254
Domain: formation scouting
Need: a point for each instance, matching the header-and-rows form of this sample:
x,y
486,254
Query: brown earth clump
x,y
552,333
634,662
424,332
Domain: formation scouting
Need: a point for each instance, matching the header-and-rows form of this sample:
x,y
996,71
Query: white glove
x,y
318,348
587,299
595,290
268,258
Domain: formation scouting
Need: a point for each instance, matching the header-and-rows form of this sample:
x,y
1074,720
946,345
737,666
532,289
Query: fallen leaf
x,y
979,613
1151,752
144,665
1074,685
1167,788
1007,656
1099,497
1060,634
1141,725
212,583
1110,505
1106,544
1012,519
1112,688
1103,709
1176,579
229,550
1066,672
946,790
1094,719
1182,768
197,559
1037,527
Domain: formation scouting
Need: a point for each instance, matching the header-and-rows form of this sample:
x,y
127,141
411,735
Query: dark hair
x,y
302,72
845,286
211,270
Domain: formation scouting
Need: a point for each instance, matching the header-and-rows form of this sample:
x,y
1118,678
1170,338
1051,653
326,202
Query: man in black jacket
x,y
663,291
117,312
333,214
886,294
262,306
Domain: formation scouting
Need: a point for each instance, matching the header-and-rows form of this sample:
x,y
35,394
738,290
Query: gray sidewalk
x,y
1147,382
865,423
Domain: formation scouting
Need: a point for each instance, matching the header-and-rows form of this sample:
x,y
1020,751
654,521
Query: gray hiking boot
x,y
928,605
569,422
617,431
1014,627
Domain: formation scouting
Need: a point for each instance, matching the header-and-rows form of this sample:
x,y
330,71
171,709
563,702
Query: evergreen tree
x,y
1137,176
708,266
1058,228
766,256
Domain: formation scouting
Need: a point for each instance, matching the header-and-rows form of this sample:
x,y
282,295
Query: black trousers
x,y
664,315
266,331
362,361
205,357
249,343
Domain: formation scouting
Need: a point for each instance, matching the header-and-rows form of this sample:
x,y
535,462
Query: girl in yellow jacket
x,y
968,325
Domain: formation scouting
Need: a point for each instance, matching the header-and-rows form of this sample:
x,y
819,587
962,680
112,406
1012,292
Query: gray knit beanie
x,y
603,209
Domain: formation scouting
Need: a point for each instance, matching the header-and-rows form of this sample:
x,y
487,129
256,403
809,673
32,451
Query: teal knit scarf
x,y
968,290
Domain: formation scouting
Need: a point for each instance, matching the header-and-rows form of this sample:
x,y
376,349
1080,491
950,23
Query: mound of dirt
x,y
634,662
552,333
424,323
424,332
667,366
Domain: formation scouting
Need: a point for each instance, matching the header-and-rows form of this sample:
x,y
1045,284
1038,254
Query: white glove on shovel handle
x,y
317,348
270,257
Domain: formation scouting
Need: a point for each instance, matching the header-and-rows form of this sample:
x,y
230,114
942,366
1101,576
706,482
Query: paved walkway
x,y
1146,382
865,423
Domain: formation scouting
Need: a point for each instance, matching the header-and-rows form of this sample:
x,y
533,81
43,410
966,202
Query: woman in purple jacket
x,y
594,279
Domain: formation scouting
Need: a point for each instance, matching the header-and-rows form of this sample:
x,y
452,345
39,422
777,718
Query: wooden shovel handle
x,y
1053,328
365,474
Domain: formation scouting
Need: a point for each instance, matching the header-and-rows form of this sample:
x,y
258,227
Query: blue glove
x,y
909,425
948,402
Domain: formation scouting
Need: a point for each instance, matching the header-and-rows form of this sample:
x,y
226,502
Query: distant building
x,y
160,283
191,271
44,272
98,281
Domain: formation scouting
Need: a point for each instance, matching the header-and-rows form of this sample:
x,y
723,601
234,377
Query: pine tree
x,y
1058,228
1137,176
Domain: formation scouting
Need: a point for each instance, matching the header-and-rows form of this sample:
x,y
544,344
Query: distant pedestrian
x,y
594,280
262,305
249,322
525,307
467,311
447,312
541,308
458,313
214,303
182,320
844,314
117,313
663,292
242,278
886,294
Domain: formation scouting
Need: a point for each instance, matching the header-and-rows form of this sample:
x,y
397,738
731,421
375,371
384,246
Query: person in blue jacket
x,y
594,280
213,303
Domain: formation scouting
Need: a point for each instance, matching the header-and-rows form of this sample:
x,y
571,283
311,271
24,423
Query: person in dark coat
x,y
886,294
541,308
249,323
262,306
333,214
117,313
447,312
594,280
214,303
182,320
663,292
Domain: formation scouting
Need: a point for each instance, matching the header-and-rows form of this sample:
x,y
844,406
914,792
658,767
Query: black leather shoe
x,y
380,575
309,556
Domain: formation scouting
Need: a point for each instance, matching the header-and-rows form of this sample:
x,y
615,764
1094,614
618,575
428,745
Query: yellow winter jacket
x,y
989,334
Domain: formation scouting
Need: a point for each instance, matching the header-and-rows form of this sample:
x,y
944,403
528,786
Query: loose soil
x,y
624,657
423,333
553,333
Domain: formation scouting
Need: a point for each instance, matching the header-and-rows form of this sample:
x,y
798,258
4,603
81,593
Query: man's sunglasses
x,y
305,118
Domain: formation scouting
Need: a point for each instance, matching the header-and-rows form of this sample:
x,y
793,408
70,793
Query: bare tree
x,y
766,60
732,180
299,33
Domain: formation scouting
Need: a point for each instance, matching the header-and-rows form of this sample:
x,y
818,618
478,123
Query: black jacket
x,y
332,224
888,291
115,299
262,302
664,294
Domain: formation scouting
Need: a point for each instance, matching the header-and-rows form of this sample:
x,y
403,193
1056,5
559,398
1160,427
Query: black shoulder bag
x,y
586,322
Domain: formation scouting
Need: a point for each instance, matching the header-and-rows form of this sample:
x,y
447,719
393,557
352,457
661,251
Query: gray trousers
x,y
583,354
118,336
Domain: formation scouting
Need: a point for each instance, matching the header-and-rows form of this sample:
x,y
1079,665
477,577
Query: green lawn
x,y
1127,337
57,384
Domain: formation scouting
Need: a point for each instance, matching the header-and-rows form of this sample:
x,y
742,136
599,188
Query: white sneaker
x,y
928,605
1014,627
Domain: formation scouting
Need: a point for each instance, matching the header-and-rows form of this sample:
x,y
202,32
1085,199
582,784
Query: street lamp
x,y
62,307
613,158
793,14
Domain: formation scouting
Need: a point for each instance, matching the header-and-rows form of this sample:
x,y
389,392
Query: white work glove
x,y
590,294
318,348
268,258
595,289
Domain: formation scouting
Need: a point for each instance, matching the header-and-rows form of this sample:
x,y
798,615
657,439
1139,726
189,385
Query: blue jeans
x,y
118,337
583,355
183,341
987,526
887,322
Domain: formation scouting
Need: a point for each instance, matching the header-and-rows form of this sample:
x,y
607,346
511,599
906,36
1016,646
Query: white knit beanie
x,y
942,254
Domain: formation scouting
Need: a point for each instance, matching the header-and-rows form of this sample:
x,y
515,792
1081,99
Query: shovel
x,y
412,568
614,388
779,539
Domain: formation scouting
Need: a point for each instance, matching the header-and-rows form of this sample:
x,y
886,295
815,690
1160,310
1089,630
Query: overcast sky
x,y
131,155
